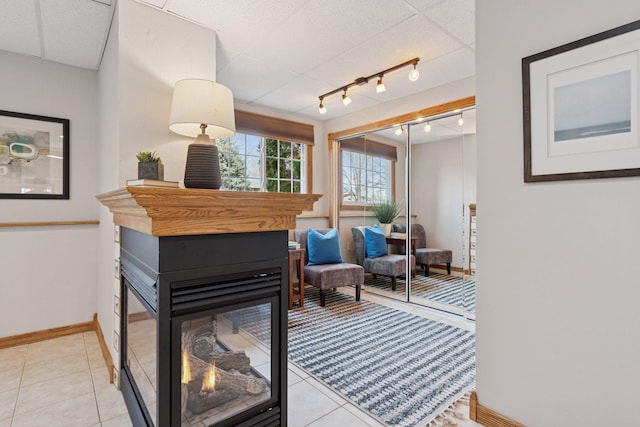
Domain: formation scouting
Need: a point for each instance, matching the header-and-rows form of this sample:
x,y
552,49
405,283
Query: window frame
x,y
359,206
306,165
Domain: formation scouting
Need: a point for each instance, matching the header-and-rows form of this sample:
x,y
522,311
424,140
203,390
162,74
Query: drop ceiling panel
x,y
416,37
156,3
297,94
449,68
19,28
75,34
239,24
250,79
423,4
458,17
323,30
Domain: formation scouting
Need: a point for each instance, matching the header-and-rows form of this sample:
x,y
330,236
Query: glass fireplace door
x,y
142,350
226,362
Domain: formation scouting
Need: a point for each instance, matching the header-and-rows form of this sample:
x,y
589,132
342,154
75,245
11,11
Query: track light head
x,y
398,131
380,86
321,108
460,121
345,98
414,74
427,127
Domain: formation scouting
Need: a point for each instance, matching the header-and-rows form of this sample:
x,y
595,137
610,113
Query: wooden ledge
x,y
160,211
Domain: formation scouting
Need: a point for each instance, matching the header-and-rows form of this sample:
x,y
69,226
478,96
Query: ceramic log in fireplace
x,y
203,322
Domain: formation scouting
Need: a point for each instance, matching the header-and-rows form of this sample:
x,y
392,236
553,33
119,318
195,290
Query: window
x,y
255,163
365,178
368,170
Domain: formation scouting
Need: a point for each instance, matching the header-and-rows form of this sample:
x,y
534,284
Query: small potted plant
x,y
386,212
150,166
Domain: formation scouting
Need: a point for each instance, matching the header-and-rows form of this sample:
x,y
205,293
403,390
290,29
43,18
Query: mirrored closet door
x,y
422,170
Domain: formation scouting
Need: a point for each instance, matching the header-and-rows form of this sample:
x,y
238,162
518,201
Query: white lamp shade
x,y
197,102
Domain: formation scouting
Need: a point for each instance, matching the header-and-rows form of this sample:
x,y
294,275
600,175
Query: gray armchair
x,y
426,256
390,265
328,276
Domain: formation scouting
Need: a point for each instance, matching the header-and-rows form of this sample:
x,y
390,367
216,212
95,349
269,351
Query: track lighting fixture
x,y
399,131
460,121
321,108
427,127
360,81
380,86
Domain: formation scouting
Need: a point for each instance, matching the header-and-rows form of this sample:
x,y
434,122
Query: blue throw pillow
x,y
375,242
324,248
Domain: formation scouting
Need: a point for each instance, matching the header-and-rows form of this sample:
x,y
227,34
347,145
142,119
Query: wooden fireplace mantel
x,y
160,211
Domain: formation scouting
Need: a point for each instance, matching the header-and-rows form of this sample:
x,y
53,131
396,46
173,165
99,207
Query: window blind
x,y
366,146
271,127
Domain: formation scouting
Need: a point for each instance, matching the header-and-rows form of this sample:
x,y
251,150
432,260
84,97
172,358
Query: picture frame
x,y
581,113
34,156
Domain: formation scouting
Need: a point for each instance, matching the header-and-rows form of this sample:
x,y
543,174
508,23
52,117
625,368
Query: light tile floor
x,y
64,382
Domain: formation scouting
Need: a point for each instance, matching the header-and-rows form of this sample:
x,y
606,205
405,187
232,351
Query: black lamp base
x,y
203,166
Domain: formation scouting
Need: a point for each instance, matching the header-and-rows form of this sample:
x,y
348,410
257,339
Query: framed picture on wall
x,y
580,108
34,156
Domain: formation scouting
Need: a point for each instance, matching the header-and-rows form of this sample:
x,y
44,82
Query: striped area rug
x,y
442,288
399,367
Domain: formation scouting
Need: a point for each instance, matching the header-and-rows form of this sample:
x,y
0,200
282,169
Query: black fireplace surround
x,y
169,283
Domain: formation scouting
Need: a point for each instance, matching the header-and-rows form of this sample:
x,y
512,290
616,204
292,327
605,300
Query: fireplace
x,y
204,304
204,329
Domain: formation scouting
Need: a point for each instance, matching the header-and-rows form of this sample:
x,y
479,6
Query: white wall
x,y
557,295
47,277
148,51
108,106
156,50
443,183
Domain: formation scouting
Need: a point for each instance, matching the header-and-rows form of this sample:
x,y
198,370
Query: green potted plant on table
x,y
386,212
150,166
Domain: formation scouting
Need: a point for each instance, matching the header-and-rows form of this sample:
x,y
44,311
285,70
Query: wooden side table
x,y
296,288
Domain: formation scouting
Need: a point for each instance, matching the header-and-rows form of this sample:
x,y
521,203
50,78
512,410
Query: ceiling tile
x,y
423,4
250,79
295,95
456,16
75,34
156,3
323,30
416,37
455,66
239,23
19,28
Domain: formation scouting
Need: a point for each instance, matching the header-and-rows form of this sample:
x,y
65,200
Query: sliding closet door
x,y
437,197
373,189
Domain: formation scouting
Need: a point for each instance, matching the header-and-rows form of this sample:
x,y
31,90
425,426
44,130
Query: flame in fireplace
x,y
186,370
209,380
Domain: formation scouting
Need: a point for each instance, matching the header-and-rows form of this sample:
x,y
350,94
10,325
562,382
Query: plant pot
x,y
151,170
386,229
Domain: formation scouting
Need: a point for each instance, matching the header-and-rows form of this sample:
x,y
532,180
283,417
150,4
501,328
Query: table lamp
x,y
204,109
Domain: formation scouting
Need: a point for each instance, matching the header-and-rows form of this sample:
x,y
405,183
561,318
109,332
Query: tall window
x,y
255,163
367,172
